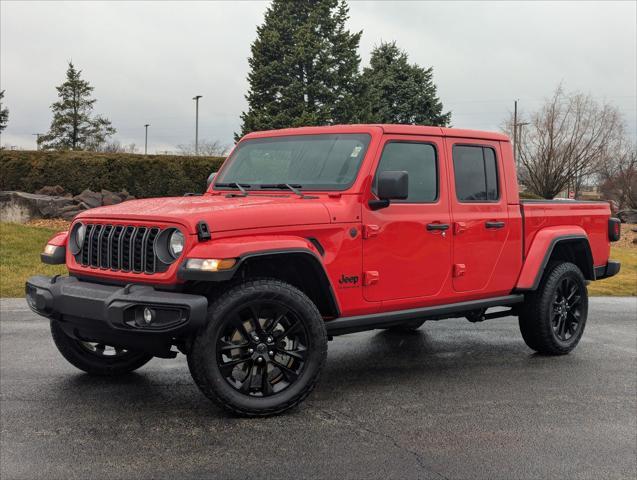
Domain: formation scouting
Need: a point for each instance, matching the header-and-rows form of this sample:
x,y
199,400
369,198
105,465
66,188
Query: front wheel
x,y
96,358
262,350
553,318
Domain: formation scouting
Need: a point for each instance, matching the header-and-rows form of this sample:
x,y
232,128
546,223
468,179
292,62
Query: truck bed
x,y
591,216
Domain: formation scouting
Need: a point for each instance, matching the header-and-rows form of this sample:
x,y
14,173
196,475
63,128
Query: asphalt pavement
x,y
453,400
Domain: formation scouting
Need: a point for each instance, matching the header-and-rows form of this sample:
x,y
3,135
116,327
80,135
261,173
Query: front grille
x,y
121,247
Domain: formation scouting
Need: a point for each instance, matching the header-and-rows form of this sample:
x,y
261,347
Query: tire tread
x,y
196,362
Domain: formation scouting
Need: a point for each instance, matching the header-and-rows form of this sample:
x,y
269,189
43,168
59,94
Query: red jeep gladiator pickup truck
x,y
313,232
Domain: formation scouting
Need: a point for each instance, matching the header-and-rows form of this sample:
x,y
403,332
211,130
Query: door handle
x,y
494,224
437,226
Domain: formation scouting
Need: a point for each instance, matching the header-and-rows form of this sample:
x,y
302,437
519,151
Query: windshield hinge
x,y
203,232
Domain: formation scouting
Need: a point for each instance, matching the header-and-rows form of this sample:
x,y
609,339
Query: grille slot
x,y
121,248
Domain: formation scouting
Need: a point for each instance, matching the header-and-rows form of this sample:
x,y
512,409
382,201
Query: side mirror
x,y
390,186
211,178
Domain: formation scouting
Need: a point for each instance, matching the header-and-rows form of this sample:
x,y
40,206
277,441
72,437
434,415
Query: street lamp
x,y
37,140
146,139
196,99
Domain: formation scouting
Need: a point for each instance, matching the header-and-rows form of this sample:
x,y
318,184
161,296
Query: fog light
x,y
149,315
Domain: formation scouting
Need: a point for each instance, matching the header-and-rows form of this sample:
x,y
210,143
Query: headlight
x,y
76,238
80,233
176,243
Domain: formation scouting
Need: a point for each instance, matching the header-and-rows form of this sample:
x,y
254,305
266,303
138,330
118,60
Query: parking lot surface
x,y
452,400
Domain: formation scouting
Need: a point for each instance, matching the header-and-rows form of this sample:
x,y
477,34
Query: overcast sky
x,y
147,60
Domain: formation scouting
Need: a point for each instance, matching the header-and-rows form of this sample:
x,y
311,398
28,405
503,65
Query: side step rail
x,y
360,323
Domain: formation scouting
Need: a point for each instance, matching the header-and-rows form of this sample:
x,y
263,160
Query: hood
x,y
220,212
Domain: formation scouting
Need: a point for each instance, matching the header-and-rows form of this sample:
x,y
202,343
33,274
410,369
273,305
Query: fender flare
x,y
542,248
245,249
59,239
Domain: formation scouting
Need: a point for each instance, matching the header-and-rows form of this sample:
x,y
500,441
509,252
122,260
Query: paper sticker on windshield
x,y
356,151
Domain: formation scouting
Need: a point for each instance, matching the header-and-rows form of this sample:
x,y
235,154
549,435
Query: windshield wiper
x,y
238,186
293,187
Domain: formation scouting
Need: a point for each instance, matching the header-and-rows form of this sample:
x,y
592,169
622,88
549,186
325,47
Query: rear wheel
x,y
96,358
262,350
553,318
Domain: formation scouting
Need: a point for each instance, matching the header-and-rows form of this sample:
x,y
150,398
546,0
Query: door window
x,y
476,174
419,161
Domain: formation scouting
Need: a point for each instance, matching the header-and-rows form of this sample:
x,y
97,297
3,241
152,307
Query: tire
x,y
94,358
250,328
406,327
553,318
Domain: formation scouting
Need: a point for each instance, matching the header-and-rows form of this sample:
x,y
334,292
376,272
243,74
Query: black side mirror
x,y
390,186
211,178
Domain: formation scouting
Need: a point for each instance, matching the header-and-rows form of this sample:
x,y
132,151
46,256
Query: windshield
x,y
315,162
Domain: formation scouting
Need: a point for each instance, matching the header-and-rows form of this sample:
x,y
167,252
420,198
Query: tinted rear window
x,y
476,174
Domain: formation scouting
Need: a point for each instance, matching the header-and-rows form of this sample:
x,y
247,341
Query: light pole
x,y
146,139
196,99
37,140
517,134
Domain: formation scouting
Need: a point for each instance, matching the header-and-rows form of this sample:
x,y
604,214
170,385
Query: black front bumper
x,y
115,315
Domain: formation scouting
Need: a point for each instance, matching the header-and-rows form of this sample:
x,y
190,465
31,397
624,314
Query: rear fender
x,y
550,240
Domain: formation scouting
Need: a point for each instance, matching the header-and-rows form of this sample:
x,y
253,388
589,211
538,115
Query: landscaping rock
x,y
53,191
70,211
92,199
22,207
112,198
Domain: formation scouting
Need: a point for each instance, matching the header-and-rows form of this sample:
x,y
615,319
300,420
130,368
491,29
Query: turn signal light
x,y
210,264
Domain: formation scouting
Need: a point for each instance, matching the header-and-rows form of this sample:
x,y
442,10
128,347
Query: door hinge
x,y
459,227
370,278
370,231
459,269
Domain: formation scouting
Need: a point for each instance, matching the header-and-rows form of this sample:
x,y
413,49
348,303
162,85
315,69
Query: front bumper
x,y
114,315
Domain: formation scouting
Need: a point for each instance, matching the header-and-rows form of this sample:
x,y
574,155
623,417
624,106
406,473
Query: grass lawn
x,y
625,282
20,247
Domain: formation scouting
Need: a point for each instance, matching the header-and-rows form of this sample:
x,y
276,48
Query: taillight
x,y
614,229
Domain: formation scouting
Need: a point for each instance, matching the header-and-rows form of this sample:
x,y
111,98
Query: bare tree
x,y
618,175
116,147
207,148
565,141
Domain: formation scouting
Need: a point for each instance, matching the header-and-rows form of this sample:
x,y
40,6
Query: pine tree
x,y
304,67
73,126
4,113
398,92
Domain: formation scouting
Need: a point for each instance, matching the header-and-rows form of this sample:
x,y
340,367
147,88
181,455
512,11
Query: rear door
x,y
479,212
407,246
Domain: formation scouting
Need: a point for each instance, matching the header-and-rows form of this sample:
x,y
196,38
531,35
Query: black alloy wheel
x,y
262,350
96,358
552,318
567,309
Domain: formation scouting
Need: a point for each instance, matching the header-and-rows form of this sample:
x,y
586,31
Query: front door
x,y
407,245
479,211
